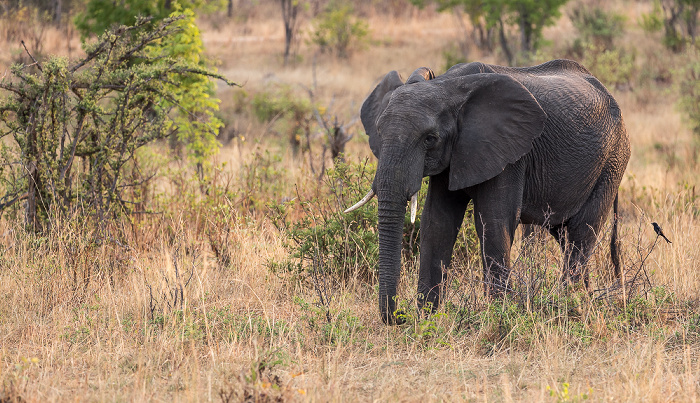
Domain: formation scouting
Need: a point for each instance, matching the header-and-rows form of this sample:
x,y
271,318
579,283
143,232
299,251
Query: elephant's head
x,y
473,125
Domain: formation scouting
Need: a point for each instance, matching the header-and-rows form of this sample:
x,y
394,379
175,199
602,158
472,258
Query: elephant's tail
x,y
615,242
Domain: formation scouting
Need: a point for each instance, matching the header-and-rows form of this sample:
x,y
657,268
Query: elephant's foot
x,y
428,301
497,283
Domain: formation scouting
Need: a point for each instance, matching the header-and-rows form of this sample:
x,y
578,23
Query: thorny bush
x,y
76,129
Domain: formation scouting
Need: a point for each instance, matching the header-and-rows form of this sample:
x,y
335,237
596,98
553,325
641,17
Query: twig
x,y
14,200
32,57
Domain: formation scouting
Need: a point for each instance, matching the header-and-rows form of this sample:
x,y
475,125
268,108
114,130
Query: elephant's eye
x,y
430,141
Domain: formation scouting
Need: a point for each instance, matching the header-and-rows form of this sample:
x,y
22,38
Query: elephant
x,y
542,145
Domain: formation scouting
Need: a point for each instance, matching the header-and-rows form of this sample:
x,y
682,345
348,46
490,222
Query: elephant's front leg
x,y
442,217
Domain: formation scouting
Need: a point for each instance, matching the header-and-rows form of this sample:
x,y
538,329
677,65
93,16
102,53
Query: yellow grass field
x,y
89,320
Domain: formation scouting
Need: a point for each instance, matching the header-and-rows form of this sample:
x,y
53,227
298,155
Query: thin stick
x,y
32,57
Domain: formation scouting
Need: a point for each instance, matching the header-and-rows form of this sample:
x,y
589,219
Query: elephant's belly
x,y
543,215
560,175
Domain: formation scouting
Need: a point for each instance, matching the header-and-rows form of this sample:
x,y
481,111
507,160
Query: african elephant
x,y
541,145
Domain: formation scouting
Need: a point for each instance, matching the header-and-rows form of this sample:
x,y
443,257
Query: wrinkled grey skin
x,y
541,145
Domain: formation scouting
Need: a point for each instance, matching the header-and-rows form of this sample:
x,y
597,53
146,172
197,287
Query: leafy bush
x,y
613,67
76,129
102,15
597,26
192,95
653,21
99,16
337,31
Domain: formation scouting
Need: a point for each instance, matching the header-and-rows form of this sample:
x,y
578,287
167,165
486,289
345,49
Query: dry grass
x,y
85,318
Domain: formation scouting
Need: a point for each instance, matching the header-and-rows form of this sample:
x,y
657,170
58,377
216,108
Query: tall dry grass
x,y
155,314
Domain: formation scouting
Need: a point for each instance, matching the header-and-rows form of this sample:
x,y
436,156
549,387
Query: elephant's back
x,y
552,83
552,67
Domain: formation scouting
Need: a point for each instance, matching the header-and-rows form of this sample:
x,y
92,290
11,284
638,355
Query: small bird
x,y
658,231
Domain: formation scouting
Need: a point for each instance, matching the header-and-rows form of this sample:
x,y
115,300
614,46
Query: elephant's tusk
x,y
414,207
362,202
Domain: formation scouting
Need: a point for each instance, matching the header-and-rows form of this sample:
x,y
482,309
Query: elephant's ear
x,y
375,104
496,125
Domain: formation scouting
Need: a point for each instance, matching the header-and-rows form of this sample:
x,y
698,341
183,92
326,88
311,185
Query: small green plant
x,y
331,328
430,328
261,180
338,31
562,394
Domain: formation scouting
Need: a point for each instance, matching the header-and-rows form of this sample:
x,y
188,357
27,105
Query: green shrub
x,y
288,113
453,55
322,239
192,97
653,21
102,15
613,67
338,31
597,26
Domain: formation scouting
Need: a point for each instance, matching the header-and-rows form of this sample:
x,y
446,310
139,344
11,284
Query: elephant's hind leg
x,y
583,229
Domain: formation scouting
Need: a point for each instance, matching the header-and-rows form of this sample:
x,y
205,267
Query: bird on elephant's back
x,y
542,145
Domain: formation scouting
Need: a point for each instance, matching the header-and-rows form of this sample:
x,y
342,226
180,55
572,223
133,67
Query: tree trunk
x,y
57,11
290,9
504,42
525,33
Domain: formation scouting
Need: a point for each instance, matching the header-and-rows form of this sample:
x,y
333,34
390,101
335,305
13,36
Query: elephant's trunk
x,y
391,219
394,183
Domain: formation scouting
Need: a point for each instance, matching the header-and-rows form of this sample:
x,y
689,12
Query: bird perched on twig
x,y
658,231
